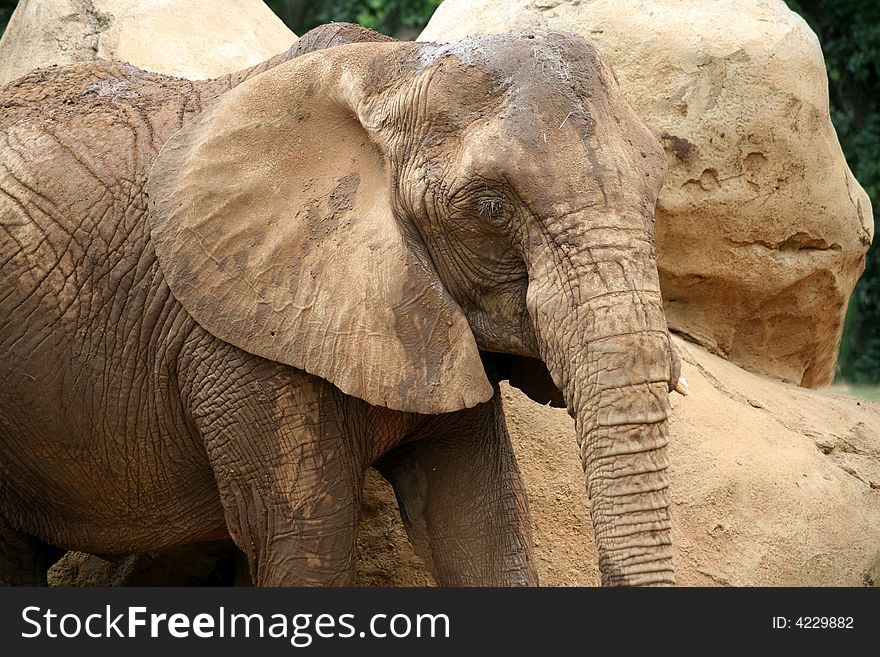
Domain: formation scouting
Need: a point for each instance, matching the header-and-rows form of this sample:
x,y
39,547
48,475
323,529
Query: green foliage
x,y
849,32
6,9
869,393
393,17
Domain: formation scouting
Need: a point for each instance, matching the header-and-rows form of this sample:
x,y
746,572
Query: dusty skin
x,y
830,520
223,301
772,485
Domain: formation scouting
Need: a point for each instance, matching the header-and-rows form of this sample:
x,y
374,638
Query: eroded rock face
x,y
761,228
187,38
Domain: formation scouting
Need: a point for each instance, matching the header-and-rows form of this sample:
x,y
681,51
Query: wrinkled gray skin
x,y
126,427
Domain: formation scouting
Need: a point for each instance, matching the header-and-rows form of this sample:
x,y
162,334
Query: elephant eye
x,y
490,207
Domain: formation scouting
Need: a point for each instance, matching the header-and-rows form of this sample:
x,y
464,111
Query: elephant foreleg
x,y
462,499
288,475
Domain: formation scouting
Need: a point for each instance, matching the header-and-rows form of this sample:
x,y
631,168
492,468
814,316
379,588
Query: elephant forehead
x,y
554,53
538,87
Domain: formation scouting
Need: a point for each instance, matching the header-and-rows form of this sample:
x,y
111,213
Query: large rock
x,y
187,38
761,227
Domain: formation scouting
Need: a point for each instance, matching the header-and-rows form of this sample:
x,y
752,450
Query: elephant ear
x,y
273,222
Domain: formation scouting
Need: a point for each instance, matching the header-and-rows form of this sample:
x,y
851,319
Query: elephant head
x,y
377,214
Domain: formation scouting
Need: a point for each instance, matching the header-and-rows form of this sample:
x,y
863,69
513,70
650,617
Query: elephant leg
x,y
24,559
288,472
462,499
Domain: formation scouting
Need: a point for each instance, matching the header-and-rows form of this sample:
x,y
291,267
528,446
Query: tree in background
x,y
398,18
6,9
849,31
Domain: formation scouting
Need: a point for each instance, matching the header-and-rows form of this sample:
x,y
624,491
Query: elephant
x,y
222,301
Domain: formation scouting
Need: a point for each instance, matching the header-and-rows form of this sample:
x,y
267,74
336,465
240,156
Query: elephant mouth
x,y
529,375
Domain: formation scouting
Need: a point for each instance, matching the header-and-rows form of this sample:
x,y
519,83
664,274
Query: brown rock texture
x,y
761,228
186,38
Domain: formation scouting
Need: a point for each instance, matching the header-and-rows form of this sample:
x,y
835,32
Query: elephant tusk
x,y
682,386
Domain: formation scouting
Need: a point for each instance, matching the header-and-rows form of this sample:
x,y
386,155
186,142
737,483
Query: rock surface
x,y
772,485
186,38
761,228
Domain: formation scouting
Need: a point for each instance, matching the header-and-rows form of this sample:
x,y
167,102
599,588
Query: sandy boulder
x,y
761,227
186,38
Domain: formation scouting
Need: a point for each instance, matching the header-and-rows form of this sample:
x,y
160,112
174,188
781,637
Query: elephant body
x,y
105,420
98,397
144,406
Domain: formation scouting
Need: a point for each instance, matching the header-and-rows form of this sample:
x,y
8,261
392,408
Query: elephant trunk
x,y
622,430
603,336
